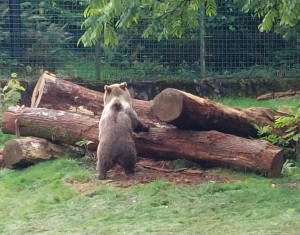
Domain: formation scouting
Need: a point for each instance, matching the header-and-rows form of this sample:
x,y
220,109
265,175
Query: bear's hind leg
x,y
103,165
128,163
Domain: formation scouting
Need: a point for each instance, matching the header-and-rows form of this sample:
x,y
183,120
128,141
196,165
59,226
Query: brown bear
x,y
116,125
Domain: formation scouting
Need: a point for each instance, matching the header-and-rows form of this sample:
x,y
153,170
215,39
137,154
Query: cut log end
x,y
38,90
276,165
167,105
14,154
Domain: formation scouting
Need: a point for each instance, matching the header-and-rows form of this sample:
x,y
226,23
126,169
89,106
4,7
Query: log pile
x,y
181,126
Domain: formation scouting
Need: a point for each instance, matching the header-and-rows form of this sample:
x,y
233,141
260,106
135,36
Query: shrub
x,y
290,139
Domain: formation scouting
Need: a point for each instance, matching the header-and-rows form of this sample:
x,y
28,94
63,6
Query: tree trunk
x,y
209,148
55,93
19,153
276,95
187,111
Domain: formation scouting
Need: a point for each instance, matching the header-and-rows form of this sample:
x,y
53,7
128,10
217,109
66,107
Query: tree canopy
x,y
282,16
165,18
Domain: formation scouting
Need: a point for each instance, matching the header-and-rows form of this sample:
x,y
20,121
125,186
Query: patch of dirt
x,y
148,170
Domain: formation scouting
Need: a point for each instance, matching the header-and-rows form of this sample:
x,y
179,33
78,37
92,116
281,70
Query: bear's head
x,y
116,91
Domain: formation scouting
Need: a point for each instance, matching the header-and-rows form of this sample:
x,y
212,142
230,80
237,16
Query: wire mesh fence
x,y
43,35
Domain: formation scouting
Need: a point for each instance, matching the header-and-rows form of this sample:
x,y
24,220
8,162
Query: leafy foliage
x,y
291,136
47,29
51,28
161,18
10,95
282,16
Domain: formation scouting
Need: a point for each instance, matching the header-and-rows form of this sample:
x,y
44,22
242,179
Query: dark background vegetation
x,y
46,34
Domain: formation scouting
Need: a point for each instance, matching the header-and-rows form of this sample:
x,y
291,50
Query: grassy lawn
x,y
64,197
41,200
273,104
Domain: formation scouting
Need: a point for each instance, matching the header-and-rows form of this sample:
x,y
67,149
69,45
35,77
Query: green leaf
x,y
110,36
268,21
296,137
211,7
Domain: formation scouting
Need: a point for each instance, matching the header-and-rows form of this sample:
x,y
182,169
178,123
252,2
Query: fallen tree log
x,y
210,148
55,93
187,111
277,95
54,125
19,153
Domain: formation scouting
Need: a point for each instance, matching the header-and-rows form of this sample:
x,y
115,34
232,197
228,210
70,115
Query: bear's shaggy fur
x,y
116,125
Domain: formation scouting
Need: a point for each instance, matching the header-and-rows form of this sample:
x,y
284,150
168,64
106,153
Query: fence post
x,y
202,41
97,61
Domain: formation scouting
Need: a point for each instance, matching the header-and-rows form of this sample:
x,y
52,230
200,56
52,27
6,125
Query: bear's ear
x,y
107,88
123,85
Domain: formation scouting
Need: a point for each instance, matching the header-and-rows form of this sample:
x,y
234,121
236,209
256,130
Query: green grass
x,y
4,138
38,200
45,199
85,68
250,102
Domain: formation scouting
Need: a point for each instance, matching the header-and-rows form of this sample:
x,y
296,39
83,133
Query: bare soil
x,y
148,170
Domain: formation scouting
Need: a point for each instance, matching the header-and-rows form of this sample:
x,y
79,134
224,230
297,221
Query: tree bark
x,y
276,95
19,153
55,125
209,148
55,93
187,111
212,148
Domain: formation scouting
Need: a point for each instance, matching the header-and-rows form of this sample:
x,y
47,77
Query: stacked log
x,y
31,150
207,132
54,93
187,111
54,125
